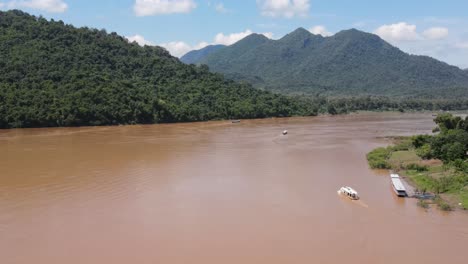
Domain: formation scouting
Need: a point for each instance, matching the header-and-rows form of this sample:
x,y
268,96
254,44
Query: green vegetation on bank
x,y
53,74
343,105
436,163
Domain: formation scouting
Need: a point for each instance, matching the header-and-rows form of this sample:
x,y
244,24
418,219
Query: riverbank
x,y
447,181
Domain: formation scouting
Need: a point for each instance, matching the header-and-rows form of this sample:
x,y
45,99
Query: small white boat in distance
x,y
349,192
398,186
285,132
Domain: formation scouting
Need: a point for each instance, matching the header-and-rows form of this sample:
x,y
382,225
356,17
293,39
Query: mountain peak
x,y
253,39
361,37
349,62
256,36
353,33
298,35
300,30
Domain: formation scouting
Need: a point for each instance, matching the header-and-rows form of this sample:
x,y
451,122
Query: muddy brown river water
x,y
216,192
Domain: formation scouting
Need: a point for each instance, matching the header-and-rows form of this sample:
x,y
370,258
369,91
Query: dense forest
x,y
349,63
343,105
53,74
450,145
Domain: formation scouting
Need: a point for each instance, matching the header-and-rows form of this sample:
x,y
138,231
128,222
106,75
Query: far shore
x,y
457,112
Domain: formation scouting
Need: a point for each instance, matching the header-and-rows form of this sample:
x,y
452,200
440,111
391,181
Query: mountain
x,y
196,55
53,74
351,62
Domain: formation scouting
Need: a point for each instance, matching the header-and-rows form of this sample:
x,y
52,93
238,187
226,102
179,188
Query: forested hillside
x,y
349,63
53,74
195,55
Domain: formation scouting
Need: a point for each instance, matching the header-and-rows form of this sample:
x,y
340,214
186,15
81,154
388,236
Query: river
x,y
216,192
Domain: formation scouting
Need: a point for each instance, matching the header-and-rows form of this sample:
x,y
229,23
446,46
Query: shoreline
x,y
419,175
359,112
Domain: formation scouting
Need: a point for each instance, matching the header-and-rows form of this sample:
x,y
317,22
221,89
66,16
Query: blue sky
x,y
431,27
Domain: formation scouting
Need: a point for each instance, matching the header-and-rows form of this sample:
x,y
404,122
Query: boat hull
x,y
348,192
399,193
398,186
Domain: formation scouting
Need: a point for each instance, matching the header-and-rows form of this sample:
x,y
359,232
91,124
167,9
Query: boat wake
x,y
361,203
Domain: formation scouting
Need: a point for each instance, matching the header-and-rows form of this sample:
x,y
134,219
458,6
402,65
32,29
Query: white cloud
x,y
268,34
140,40
320,30
232,38
180,48
462,45
52,6
159,7
436,33
283,8
403,31
201,45
220,8
177,48
398,32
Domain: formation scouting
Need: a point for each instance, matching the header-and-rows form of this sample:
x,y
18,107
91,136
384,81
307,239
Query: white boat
x,y
349,192
398,186
285,132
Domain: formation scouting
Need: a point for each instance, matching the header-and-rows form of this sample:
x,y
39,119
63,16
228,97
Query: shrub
x,y
422,203
404,144
424,151
416,167
420,140
378,158
444,206
460,165
454,151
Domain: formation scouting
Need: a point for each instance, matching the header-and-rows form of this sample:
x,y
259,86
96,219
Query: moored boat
x,y
349,192
285,132
398,186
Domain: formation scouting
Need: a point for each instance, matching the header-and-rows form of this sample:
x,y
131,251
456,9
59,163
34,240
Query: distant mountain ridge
x,y
195,55
350,62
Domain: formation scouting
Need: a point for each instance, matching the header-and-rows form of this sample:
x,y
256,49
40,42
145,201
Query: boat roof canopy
x,y
398,184
350,190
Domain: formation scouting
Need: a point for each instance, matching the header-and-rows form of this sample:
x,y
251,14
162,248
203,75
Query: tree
x,y
52,74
